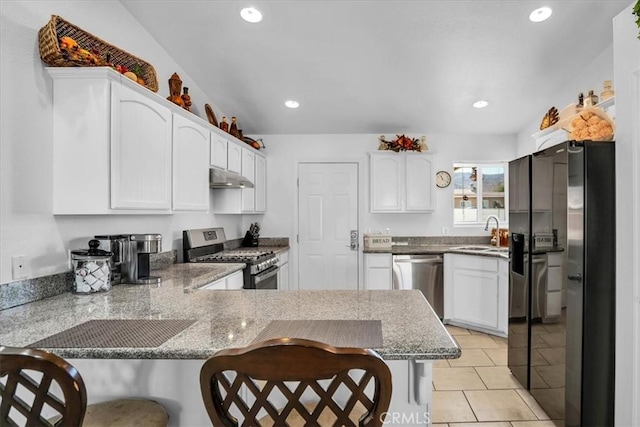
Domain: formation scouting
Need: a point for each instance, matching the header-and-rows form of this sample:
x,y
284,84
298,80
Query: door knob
x,y
353,240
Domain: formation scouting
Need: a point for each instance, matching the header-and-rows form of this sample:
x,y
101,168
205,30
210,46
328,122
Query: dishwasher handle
x,y
437,260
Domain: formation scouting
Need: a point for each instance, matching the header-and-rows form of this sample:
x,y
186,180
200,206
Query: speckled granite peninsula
x,y
412,335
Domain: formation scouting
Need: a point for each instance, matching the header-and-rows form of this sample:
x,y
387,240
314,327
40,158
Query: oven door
x,y
267,279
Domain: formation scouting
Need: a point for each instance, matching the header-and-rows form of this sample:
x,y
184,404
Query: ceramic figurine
x,y
186,98
224,125
233,129
423,143
383,143
175,87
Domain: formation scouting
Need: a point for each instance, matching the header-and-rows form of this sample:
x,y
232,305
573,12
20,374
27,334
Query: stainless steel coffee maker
x,y
118,244
138,266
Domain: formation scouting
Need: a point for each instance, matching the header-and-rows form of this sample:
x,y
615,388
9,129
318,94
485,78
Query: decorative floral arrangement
x,y
636,11
403,143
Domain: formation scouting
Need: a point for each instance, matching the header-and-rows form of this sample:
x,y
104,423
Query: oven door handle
x,y
266,274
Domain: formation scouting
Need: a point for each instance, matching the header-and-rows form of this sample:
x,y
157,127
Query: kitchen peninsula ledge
x,y
226,319
412,336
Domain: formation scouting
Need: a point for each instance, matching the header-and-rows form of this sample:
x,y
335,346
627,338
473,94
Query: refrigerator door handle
x,y
576,277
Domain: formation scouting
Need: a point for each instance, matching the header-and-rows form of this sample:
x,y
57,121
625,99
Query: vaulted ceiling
x,y
376,66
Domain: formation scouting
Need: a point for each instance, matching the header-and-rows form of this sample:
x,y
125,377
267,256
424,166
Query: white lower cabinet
x,y
230,282
283,273
377,271
476,292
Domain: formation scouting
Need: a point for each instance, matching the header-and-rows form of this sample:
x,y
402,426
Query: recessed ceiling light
x,y
292,104
480,104
251,14
540,14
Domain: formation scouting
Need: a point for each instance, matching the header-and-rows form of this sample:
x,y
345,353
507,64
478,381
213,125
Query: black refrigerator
x,y
562,280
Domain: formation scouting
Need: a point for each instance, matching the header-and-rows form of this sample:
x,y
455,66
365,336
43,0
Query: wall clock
x,y
443,179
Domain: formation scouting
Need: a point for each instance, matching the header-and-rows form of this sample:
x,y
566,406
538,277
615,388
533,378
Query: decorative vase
x,y
590,100
186,98
224,125
233,129
175,87
608,92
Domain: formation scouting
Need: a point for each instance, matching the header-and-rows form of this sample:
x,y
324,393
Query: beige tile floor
x,y
478,390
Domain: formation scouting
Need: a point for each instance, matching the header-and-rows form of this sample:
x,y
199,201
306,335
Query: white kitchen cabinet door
x,y
234,157
386,182
260,184
218,154
248,171
419,183
234,281
283,277
190,165
476,292
475,298
401,182
377,272
140,152
283,272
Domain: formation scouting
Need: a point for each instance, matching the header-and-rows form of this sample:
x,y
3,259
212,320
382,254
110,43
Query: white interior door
x,y
327,215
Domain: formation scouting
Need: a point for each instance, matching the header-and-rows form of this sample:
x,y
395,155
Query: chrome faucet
x,y
486,228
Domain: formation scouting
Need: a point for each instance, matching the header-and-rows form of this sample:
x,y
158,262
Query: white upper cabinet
x,y
260,184
386,182
140,151
419,183
111,145
401,182
248,170
244,200
234,157
218,151
119,148
190,165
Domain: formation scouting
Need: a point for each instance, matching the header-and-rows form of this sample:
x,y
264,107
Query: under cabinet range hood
x,y
223,179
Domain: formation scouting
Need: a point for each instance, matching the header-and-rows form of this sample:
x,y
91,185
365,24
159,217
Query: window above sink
x,y
479,190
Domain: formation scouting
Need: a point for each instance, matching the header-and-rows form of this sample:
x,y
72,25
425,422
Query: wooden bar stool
x,y
29,379
296,370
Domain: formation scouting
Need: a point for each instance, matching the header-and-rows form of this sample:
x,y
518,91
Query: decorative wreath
x,y
404,143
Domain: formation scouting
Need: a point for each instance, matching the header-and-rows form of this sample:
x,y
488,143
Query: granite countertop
x,y
410,329
428,249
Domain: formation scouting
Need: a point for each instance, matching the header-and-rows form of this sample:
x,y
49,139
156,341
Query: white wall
x,y
286,151
627,74
591,77
27,226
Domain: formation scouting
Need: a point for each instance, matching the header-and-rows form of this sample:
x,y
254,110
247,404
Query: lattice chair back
x,y
28,380
319,385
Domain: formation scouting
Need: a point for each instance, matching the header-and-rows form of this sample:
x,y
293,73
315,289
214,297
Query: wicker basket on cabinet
x,y
52,55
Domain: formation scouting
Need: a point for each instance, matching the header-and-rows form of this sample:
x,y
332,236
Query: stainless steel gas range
x,y
207,245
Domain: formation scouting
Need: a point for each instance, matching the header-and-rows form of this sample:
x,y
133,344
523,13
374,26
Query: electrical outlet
x,y
445,231
18,267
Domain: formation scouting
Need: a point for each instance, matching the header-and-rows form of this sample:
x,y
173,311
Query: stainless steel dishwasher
x,y
423,272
